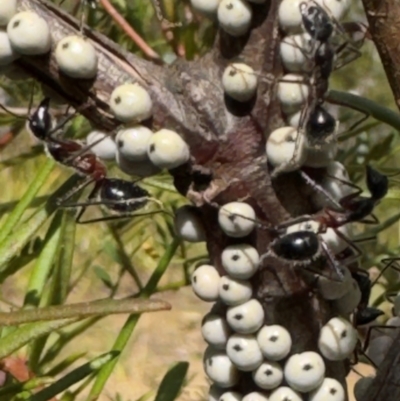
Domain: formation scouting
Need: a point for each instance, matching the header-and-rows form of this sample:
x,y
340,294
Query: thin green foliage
x,y
132,321
172,382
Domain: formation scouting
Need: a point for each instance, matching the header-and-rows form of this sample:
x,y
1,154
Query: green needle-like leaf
x,y
82,310
22,336
74,377
14,243
131,322
172,382
364,105
28,197
41,271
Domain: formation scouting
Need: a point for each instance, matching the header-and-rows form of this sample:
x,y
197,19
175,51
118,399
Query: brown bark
x,y
227,143
384,25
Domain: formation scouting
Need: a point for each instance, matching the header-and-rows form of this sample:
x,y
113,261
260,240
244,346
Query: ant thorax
x,y
72,154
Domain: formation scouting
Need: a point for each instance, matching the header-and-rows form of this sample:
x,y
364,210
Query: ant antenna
x,y
332,260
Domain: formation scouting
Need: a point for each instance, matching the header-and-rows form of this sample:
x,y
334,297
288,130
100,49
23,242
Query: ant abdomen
x,y
298,246
320,124
122,196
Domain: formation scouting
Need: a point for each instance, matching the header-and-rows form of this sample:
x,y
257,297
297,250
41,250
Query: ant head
x,y
320,125
40,123
316,21
366,315
296,246
360,208
122,196
377,183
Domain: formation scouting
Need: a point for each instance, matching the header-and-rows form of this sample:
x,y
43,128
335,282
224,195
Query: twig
x,y
384,19
121,21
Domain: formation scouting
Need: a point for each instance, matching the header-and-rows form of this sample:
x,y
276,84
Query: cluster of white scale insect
x,y
238,339
136,149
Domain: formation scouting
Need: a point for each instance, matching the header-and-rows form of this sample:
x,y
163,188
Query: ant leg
x,y
87,148
347,45
319,188
360,349
92,195
352,245
380,329
373,220
389,263
265,256
349,184
364,112
357,123
364,239
121,216
332,260
354,369
102,202
63,122
61,201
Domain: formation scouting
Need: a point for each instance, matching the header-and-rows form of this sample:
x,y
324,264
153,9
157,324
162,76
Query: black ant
x,y
321,26
120,196
354,208
364,314
304,245
316,123
117,195
357,208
